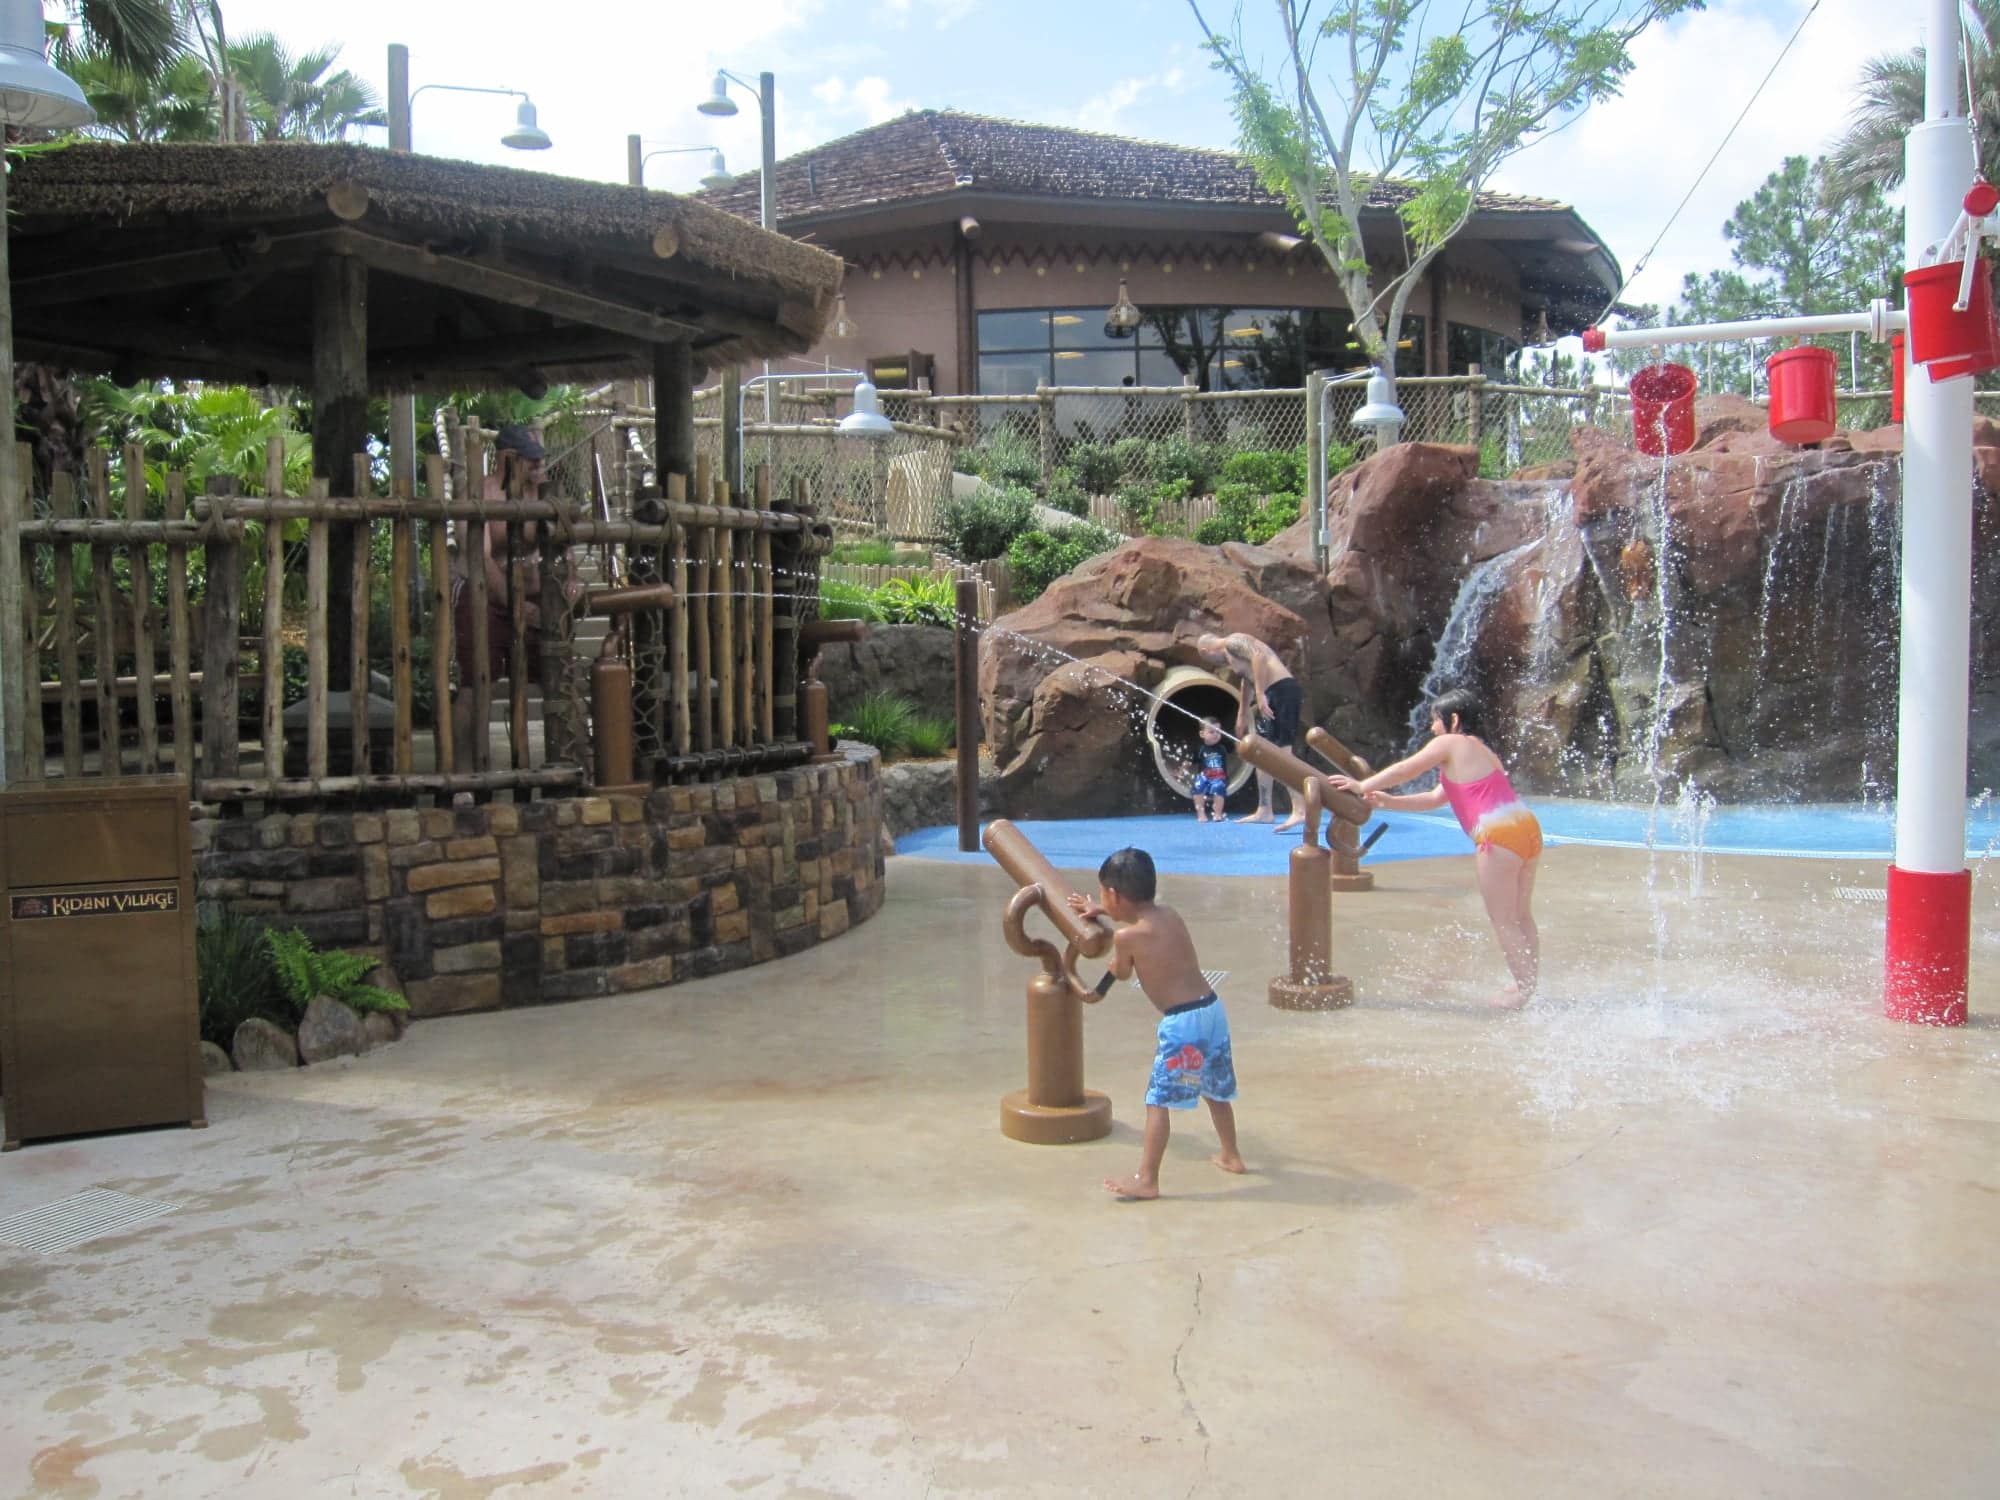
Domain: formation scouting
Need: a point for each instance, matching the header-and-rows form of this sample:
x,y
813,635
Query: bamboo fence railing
x,y
115,576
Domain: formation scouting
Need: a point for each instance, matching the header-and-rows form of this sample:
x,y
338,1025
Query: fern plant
x,y
305,973
930,735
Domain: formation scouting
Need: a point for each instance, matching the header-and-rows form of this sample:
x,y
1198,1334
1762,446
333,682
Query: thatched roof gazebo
x,y
209,261
678,814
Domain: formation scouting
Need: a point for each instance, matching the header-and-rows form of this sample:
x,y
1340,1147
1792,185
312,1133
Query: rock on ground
x,y
214,1060
330,1029
260,1046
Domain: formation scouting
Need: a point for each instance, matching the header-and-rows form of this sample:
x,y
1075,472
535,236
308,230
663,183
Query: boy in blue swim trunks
x,y
1193,1060
1211,784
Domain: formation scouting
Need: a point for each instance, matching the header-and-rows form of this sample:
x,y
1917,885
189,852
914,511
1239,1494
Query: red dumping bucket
x,y
1662,409
1951,343
1802,384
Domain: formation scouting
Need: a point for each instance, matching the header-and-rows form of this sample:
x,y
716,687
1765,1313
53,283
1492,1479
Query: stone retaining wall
x,y
524,903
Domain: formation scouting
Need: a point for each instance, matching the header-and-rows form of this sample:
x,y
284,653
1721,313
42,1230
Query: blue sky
x,y
1133,67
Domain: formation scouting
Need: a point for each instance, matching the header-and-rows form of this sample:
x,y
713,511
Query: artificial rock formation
x,y
1056,678
1725,619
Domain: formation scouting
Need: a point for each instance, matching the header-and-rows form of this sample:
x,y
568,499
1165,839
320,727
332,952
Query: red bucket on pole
x,y
1802,383
1662,409
1948,342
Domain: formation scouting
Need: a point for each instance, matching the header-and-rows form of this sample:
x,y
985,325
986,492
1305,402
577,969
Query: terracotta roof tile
x,y
930,152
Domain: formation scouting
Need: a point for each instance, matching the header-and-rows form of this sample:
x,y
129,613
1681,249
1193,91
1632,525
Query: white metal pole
x,y
1929,888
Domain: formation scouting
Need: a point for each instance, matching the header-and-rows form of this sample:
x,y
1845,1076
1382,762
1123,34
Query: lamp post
x,y
636,157
34,95
720,104
527,135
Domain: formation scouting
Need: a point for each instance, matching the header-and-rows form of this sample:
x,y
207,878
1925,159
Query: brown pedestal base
x,y
1291,994
1363,881
1053,1124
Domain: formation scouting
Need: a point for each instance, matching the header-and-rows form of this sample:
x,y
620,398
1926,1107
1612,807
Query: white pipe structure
x,y
1930,890
1878,323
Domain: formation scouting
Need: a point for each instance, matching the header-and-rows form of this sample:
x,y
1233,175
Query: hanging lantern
x,y
1124,314
843,326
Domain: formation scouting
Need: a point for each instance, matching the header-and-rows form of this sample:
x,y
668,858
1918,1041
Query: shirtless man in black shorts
x,y
1269,702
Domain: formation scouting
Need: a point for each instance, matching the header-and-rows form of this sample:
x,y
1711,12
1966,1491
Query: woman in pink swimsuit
x,y
1505,834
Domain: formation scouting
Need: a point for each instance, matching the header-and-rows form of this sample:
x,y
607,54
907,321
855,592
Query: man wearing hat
x,y
518,469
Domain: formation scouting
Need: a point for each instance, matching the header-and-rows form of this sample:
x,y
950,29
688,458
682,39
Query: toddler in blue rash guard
x,y
1211,784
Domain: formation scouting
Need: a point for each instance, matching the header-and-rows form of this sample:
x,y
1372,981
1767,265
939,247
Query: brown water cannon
x,y
814,636
1310,983
1055,1108
611,685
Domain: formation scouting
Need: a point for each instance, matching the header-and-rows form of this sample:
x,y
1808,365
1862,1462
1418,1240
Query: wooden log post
x,y
141,559
104,628
222,600
725,625
361,537
442,625
274,614
479,614
703,664
178,632
683,734
339,416
62,503
1045,430
402,558
515,573
319,642
965,660
789,557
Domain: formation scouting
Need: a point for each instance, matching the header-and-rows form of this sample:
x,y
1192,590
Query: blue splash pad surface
x,y
1181,846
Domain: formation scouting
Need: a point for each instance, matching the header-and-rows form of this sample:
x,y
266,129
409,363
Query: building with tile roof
x,y
982,254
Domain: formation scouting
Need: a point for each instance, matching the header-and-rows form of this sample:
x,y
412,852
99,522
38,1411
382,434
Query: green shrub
x,y
1138,507
305,973
1097,468
922,601
1278,513
980,525
1268,471
1493,456
839,600
1197,463
1004,457
1218,529
1134,459
1339,457
1067,495
1037,559
930,736
233,975
883,720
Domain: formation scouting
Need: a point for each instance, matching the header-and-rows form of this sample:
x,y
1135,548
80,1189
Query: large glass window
x,y
1222,348
1466,346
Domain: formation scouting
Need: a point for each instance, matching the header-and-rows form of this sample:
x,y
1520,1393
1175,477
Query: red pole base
x,y
1930,943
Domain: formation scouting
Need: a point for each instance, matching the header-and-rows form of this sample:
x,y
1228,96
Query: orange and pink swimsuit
x,y
1489,811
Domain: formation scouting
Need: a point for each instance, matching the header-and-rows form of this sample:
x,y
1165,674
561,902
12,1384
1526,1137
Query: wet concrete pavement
x,y
1697,1223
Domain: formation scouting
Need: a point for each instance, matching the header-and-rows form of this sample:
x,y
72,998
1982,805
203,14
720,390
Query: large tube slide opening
x,y
1188,695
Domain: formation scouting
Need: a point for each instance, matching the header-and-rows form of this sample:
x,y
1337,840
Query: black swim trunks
x,y
1281,727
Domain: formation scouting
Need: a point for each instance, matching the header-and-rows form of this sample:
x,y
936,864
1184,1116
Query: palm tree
x,y
176,104
298,98
142,35
1870,154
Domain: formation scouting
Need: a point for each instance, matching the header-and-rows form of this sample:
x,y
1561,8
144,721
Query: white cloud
x,y
1104,112
1626,163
